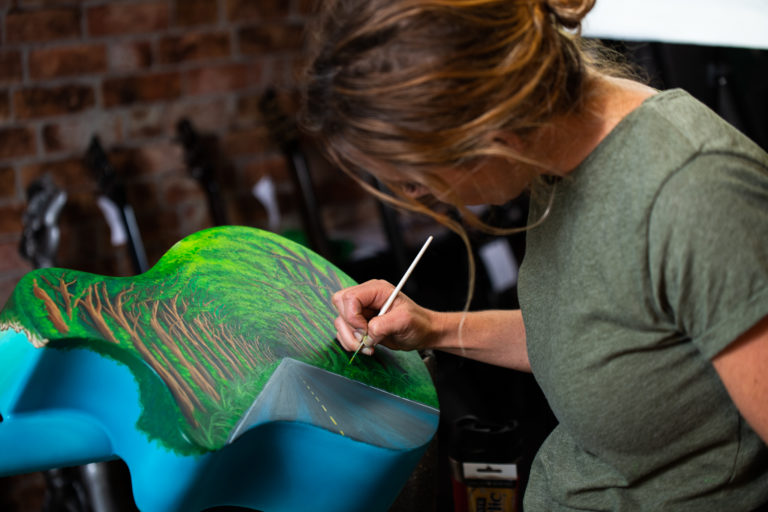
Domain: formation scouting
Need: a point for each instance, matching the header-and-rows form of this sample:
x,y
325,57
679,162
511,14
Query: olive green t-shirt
x,y
653,259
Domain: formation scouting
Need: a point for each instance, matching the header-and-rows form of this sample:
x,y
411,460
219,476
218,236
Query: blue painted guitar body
x,y
215,377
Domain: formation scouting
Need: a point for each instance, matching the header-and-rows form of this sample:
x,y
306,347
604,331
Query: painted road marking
x,y
317,399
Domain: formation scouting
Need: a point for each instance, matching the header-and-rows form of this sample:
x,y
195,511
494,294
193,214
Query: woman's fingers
x,y
403,327
348,336
356,306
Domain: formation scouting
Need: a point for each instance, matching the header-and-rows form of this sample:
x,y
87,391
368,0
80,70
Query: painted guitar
x,y
215,377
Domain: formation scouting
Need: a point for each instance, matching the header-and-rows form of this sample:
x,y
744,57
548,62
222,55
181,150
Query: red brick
x,y
10,66
193,216
10,258
47,3
74,134
160,119
286,72
42,25
7,284
62,61
287,104
143,198
178,189
126,18
208,117
16,142
142,88
230,77
7,183
85,241
147,160
160,230
158,158
239,10
37,102
81,207
196,12
273,166
130,55
248,110
5,105
308,7
246,142
10,218
245,210
69,173
270,39
122,160
191,47
149,121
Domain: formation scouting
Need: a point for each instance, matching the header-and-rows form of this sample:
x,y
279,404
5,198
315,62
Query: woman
x,y
644,289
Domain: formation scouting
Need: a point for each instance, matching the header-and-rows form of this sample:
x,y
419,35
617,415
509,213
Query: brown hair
x,y
422,84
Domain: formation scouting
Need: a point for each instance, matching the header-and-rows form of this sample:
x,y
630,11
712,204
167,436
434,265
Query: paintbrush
x,y
394,293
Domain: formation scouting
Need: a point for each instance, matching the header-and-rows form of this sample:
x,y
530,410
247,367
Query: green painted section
x,y
203,330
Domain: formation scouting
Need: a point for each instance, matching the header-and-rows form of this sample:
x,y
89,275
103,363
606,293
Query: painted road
x,y
304,393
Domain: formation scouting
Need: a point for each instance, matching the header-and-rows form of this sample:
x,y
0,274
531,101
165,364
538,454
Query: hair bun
x,y
569,13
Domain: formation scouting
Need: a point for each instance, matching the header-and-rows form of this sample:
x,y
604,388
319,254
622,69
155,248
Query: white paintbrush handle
x,y
405,277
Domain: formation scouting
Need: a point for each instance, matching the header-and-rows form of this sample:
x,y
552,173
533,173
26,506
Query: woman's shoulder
x,y
679,117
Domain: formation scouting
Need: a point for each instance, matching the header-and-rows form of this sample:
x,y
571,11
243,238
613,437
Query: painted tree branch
x,y
93,307
194,371
54,315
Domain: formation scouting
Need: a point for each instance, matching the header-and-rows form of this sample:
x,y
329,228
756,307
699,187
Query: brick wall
x,y
128,71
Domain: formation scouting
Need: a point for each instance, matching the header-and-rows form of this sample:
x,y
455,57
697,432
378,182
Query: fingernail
x,y
359,335
367,351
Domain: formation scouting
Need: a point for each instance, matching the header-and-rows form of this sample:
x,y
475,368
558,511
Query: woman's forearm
x,y
494,336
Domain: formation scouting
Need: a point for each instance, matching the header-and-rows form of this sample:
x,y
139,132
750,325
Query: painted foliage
x,y
205,328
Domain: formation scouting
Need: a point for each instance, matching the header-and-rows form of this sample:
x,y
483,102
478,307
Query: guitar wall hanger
x,y
40,234
201,166
286,135
113,202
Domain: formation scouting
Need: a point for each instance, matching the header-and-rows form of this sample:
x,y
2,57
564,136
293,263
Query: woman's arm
x,y
743,368
496,337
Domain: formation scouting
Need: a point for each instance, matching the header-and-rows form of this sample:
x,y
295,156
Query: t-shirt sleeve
x,y
708,248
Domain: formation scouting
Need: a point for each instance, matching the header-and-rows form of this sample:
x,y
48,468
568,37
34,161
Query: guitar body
x,y
215,376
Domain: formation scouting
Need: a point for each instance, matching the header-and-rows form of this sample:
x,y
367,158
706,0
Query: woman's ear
x,y
413,189
509,139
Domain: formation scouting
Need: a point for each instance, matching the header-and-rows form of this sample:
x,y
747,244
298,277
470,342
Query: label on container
x,y
491,499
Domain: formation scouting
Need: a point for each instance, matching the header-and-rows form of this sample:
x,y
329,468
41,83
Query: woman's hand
x,y
406,326
495,336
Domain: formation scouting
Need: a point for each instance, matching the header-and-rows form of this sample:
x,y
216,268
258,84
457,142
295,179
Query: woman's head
x,y
417,86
